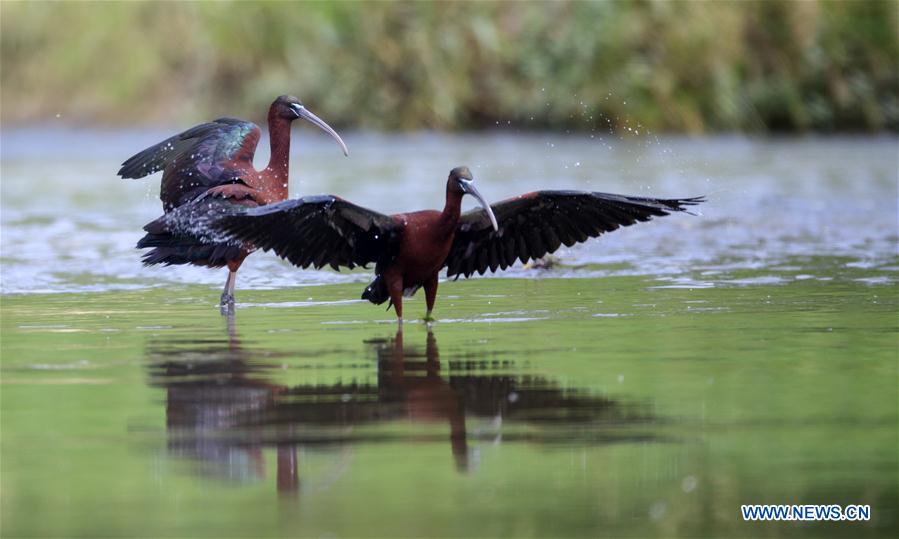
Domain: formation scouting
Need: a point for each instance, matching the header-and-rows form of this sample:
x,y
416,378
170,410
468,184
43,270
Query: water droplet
x,y
689,484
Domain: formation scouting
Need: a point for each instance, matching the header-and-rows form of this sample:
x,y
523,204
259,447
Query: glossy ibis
x,y
410,249
215,160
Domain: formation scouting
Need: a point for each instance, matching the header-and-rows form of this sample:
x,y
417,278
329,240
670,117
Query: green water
x,y
648,386
549,407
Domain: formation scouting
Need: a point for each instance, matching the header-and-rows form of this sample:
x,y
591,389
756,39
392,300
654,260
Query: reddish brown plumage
x,y
424,245
214,161
410,249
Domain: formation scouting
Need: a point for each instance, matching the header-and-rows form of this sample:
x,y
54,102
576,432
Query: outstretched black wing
x,y
537,223
317,231
184,235
205,156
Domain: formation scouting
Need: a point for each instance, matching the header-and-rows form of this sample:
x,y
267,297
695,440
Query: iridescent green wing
x,y
205,156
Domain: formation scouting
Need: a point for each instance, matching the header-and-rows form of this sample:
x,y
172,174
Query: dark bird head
x,y
461,181
290,108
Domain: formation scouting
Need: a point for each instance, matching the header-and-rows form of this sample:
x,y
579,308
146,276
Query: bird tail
x,y
377,292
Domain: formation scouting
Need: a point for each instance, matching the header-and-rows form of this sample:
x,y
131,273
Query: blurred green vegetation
x,y
665,66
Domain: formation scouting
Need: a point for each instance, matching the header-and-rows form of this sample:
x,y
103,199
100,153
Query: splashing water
x,y
795,206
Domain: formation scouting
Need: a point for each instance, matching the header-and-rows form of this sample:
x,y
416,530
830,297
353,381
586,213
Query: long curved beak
x,y
469,188
303,112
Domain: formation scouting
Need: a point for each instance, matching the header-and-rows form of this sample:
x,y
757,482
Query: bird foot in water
x,y
428,319
226,304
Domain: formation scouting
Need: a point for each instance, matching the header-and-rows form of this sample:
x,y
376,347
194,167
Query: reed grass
x,y
664,66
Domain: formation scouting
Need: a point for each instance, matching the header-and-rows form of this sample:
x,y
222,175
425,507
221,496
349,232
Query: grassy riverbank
x,y
664,66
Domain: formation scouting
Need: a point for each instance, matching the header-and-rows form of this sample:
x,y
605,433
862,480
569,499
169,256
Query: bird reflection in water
x,y
223,409
215,393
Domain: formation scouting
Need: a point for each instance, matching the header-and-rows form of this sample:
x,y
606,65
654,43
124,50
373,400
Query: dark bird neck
x,y
451,211
279,162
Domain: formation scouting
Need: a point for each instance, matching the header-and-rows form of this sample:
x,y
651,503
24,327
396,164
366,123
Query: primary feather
x,y
204,156
538,223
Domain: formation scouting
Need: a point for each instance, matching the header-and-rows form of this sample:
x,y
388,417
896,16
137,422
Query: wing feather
x,y
550,239
180,236
317,231
202,157
538,223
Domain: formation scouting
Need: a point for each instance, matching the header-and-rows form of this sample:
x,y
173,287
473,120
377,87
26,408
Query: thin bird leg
x,y
227,301
395,289
430,297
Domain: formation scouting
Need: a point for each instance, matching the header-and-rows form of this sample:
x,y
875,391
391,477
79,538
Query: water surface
x,y
648,385
772,203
